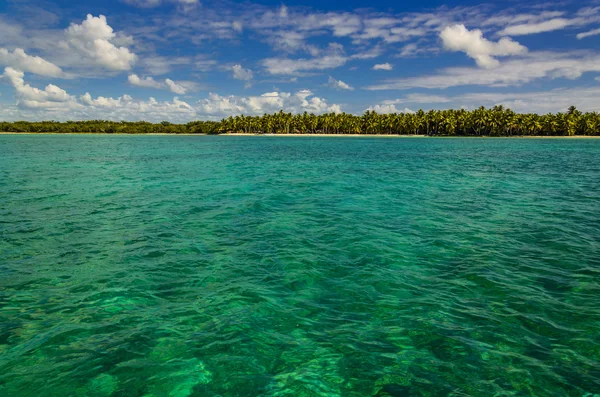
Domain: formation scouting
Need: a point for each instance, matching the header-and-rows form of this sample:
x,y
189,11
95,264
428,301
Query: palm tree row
x,y
497,121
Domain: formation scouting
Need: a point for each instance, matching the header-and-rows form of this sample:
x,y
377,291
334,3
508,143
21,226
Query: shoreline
x,y
417,136
315,135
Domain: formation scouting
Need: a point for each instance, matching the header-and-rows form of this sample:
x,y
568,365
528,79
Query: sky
x,y
184,60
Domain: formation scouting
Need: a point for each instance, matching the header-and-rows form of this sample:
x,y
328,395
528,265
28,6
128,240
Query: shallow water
x,y
267,266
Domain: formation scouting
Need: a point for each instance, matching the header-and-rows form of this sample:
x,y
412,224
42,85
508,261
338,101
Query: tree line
x,y
111,127
497,121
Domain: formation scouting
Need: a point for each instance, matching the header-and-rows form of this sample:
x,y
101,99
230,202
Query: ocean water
x,y
279,266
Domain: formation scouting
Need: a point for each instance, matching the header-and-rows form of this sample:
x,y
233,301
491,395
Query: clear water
x,y
280,266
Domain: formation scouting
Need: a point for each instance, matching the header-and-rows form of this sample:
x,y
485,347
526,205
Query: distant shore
x,y
415,136
314,135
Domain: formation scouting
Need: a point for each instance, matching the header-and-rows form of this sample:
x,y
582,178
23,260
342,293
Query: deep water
x,y
281,266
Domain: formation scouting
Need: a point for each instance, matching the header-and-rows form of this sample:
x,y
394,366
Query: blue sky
x,y
182,60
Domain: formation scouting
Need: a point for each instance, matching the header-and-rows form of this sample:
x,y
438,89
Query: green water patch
x,y
143,266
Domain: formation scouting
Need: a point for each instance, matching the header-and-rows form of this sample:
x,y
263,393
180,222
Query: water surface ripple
x,y
265,266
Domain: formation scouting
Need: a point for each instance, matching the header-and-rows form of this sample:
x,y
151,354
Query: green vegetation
x,y
112,127
497,121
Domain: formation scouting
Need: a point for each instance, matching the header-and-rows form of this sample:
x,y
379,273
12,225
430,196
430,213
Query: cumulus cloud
x,y
31,97
94,39
18,59
126,102
239,73
383,66
472,42
514,72
57,104
175,87
270,102
149,82
338,84
104,101
387,108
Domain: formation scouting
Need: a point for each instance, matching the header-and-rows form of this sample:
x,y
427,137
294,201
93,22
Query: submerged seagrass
x,y
247,266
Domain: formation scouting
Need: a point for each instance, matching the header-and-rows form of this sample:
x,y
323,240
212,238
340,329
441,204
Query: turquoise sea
x,y
280,266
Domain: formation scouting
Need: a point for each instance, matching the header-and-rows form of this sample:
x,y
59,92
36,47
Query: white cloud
x,y
540,27
204,65
472,42
289,29
383,66
288,41
334,58
127,108
237,26
541,102
540,22
590,33
158,65
105,102
559,100
126,102
286,66
149,82
93,40
103,108
266,103
387,108
219,105
409,50
389,29
144,3
422,98
515,72
31,97
369,54
156,3
239,73
340,24
338,84
18,59
175,87
55,103
508,17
